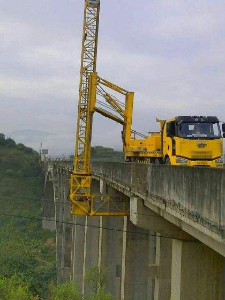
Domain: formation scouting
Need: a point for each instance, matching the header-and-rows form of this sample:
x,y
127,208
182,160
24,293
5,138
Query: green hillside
x,y
100,153
106,154
26,250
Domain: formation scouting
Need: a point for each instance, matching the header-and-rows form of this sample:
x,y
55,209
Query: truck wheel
x,y
167,161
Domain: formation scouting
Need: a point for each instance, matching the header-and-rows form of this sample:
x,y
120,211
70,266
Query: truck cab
x,y
193,141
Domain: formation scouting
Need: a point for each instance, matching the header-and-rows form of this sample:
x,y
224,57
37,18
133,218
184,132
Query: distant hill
x,y
28,135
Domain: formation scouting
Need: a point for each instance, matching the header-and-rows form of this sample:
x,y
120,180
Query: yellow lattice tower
x,y
81,179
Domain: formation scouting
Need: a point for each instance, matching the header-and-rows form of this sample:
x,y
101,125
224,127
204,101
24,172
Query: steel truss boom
x,y
80,183
88,65
84,200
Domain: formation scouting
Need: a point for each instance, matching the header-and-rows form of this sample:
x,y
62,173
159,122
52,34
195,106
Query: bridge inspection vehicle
x,y
183,140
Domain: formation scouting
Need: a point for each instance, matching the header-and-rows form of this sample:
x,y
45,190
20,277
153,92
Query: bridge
x,y
170,247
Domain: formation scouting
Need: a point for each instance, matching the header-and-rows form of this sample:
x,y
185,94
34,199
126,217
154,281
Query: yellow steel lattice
x,y
84,201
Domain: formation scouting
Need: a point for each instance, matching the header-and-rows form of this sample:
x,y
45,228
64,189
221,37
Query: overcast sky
x,y
171,53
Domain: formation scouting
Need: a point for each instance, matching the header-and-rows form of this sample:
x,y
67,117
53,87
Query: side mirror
x,y
170,129
224,135
223,127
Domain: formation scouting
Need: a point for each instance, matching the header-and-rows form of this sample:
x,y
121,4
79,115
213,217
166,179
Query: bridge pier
x,y
176,269
201,270
48,207
79,232
111,252
136,262
187,269
59,218
58,200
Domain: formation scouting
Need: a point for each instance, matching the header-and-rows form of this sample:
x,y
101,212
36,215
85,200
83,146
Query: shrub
x,y
13,289
101,295
65,291
97,279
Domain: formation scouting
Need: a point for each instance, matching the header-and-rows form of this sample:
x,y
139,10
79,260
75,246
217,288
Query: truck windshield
x,y
199,130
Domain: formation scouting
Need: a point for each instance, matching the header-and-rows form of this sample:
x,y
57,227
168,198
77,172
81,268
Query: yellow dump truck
x,y
183,140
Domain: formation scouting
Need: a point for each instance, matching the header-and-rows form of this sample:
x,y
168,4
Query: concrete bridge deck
x,y
171,247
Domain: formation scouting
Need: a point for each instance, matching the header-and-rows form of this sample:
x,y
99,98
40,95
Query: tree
x,y
2,139
71,157
10,143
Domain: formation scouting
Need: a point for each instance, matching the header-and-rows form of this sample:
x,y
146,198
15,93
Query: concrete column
x,y
159,266
48,207
124,254
100,243
67,226
164,273
223,279
91,248
157,262
111,246
136,263
85,254
111,255
102,187
58,223
202,273
73,249
176,270
61,223
153,267
91,242
79,233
